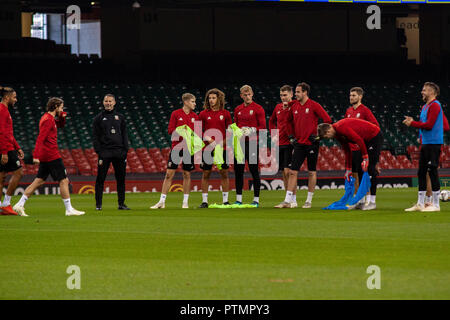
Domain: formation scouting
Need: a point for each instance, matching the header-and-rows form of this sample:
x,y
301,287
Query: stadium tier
x,y
147,108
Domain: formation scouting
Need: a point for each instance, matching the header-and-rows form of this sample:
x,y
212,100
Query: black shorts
x,y
429,155
13,163
373,150
208,166
302,152
356,161
54,168
173,163
285,156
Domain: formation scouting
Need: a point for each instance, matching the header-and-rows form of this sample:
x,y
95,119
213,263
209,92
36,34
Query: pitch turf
x,y
262,253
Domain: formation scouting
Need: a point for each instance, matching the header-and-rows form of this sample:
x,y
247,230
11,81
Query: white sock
x,y
256,199
163,198
436,198
22,201
421,198
373,198
239,197
309,197
428,199
288,196
6,201
0,203
225,196
186,198
294,197
205,197
67,204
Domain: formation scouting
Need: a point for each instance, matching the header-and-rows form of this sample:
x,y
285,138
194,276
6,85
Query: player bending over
x,y
46,154
368,138
358,111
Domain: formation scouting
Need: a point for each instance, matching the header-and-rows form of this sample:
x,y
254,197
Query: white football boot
x,y
74,212
20,210
416,207
159,205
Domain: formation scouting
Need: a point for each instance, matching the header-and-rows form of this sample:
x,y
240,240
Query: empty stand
x,y
147,109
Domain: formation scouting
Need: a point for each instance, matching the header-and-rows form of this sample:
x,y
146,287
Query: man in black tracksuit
x,y
111,144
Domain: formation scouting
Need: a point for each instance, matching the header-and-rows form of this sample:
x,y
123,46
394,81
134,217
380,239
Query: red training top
x,y
305,119
252,116
356,131
7,140
46,148
219,120
179,118
361,112
280,120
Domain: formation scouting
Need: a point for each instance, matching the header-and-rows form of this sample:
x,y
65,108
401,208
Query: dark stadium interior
x,y
154,53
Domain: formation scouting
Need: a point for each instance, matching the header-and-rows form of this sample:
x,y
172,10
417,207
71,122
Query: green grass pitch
x,y
262,253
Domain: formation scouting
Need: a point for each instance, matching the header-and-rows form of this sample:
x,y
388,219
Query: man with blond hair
x,y
250,117
179,117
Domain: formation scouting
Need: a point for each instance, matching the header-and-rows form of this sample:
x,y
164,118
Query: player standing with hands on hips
x,y
110,140
46,154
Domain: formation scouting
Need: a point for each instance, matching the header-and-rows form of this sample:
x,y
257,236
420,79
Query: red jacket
x,y
280,120
252,116
179,118
219,120
361,112
46,148
7,140
355,131
305,119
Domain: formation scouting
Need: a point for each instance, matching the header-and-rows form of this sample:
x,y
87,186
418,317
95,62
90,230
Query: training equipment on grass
x,y
231,206
364,187
349,190
347,200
